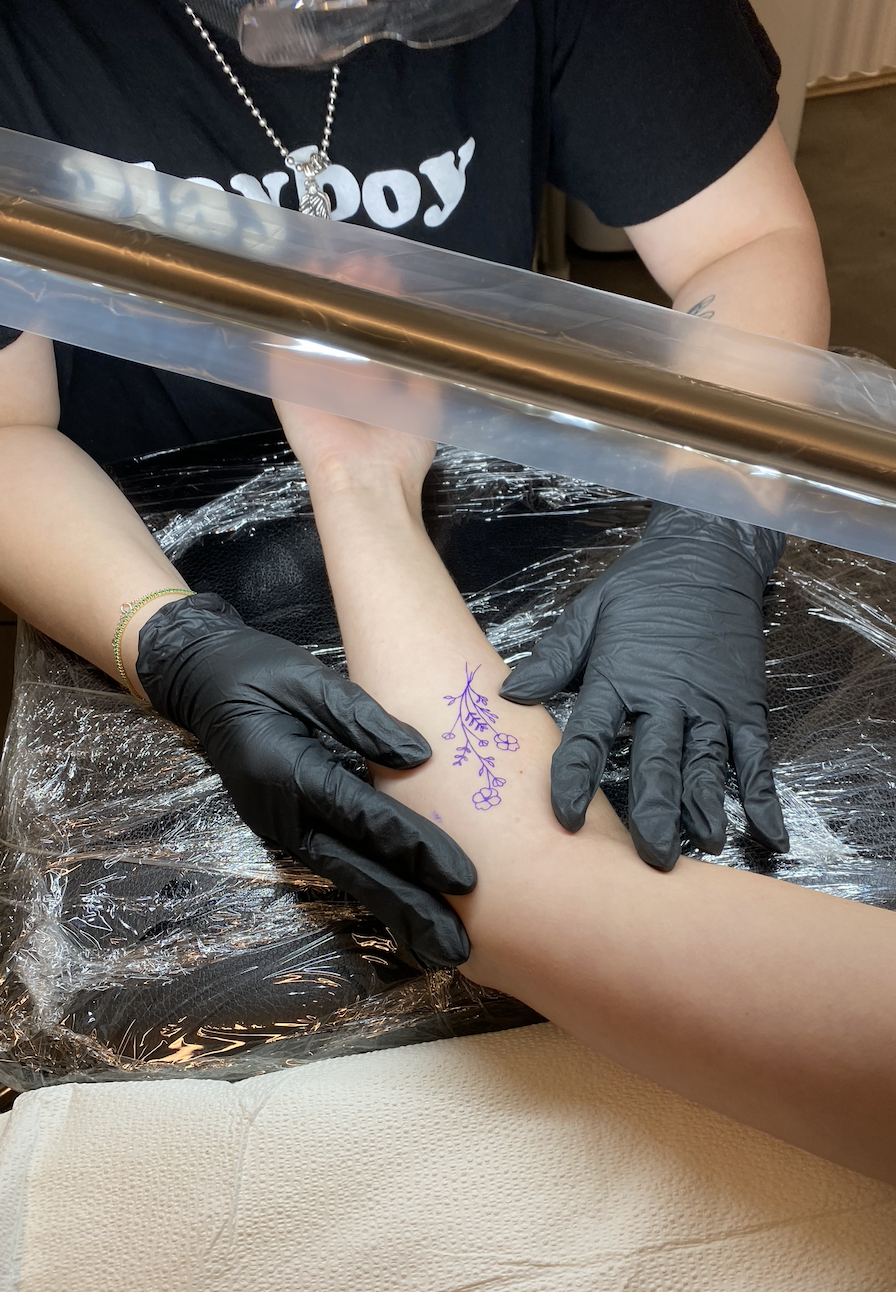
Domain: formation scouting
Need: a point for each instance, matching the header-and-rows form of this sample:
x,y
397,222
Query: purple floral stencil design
x,y
474,724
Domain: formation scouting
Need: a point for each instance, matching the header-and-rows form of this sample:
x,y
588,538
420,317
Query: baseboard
x,y
854,81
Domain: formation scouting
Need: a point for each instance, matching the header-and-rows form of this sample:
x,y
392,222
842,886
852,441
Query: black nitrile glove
x,y
253,700
671,634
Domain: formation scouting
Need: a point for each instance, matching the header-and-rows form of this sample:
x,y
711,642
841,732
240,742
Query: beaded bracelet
x,y
128,610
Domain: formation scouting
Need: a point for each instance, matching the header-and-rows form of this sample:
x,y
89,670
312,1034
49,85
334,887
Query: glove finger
x,y
752,758
560,655
404,842
703,767
417,918
654,792
579,760
348,714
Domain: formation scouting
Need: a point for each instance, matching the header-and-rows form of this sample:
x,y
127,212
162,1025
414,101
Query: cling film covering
x,y
146,932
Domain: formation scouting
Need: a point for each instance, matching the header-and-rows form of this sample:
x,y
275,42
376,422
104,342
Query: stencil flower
x,y
475,727
486,798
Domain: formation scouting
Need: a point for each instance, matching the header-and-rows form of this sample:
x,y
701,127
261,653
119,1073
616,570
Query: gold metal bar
x,y
499,360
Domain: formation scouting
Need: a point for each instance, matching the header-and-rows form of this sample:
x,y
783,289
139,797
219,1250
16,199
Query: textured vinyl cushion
x,y
515,1161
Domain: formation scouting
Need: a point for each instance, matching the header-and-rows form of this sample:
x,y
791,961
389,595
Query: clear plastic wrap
x,y
312,367
145,931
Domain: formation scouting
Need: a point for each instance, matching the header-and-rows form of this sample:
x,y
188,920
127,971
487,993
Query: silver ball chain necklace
x,y
314,200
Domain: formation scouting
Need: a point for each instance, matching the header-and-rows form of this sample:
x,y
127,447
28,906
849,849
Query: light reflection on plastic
x,y
567,419
316,347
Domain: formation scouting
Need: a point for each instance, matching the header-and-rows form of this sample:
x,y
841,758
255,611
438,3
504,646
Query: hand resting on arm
x,y
765,1001
671,634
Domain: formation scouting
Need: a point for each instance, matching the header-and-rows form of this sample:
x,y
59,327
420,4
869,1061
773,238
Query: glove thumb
x,y
560,655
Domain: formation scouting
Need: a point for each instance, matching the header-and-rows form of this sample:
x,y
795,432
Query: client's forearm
x,y
411,642
760,999
72,548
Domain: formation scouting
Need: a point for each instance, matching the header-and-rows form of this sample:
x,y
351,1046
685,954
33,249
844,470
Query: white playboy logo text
x,y
390,198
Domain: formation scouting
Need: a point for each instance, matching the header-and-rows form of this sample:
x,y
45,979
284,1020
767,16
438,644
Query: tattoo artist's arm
x,y
657,636
745,251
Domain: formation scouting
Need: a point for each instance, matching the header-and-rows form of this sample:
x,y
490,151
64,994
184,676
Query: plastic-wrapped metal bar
x,y
168,272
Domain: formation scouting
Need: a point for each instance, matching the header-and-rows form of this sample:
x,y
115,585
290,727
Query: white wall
x,y
852,36
813,38
791,26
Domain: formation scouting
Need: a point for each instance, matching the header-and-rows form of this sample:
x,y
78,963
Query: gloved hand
x,y
252,700
671,634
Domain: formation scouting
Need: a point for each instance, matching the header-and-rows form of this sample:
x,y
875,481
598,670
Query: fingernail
x,y
664,861
449,948
462,879
705,833
776,840
405,758
415,747
571,815
661,856
520,692
711,844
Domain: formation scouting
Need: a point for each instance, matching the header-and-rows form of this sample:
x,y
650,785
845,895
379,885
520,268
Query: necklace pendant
x,y
314,200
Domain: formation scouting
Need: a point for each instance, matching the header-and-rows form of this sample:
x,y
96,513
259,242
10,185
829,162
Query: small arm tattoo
x,y
701,310
476,726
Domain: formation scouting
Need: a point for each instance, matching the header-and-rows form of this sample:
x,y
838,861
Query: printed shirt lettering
x,y
391,198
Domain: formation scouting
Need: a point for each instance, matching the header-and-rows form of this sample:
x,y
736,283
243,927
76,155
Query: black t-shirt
x,y
631,105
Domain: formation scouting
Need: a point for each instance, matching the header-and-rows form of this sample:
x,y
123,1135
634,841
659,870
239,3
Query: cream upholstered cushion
x,y
518,1162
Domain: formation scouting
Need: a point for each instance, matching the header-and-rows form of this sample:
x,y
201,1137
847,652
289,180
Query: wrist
x,y
129,637
182,657
762,548
339,484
